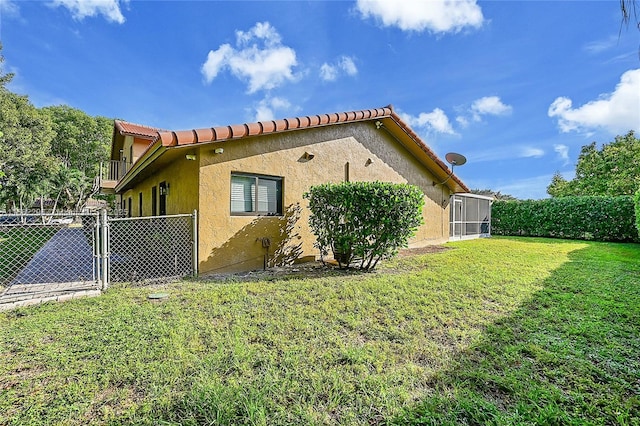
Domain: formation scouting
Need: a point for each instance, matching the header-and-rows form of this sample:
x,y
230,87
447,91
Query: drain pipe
x,y
266,243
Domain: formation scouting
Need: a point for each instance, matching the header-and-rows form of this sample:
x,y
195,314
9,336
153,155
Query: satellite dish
x,y
455,159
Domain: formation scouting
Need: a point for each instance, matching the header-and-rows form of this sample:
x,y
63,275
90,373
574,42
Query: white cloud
x,y
262,30
462,121
81,9
489,105
436,121
438,16
215,61
259,58
563,152
9,8
617,112
348,65
601,45
328,72
345,64
266,108
499,153
528,152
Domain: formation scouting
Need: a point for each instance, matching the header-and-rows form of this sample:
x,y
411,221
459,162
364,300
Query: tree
x,y
24,151
81,141
629,10
4,79
559,186
81,144
25,135
611,171
52,152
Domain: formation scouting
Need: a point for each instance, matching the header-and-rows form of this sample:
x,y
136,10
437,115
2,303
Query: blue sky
x,y
518,87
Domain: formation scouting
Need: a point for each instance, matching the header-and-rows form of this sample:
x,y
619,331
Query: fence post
x,y
104,255
195,243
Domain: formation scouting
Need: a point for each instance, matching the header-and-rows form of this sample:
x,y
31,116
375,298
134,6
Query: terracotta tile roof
x,y
148,132
236,131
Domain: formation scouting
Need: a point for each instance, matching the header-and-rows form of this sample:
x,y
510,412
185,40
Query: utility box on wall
x,y
470,216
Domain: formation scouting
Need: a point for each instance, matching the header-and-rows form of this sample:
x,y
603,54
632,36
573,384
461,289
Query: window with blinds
x,y
256,195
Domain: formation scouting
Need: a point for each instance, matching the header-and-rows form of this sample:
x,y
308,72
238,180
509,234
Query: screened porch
x,y
470,216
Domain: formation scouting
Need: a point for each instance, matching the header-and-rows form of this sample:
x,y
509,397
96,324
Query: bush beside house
x,y
581,218
364,221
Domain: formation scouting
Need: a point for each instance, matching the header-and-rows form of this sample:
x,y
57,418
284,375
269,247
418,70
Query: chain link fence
x,y
151,249
37,249
47,255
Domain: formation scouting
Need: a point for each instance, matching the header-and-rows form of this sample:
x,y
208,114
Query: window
x,y
140,204
267,200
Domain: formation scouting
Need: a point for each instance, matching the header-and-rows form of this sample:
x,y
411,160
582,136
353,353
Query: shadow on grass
x,y
571,355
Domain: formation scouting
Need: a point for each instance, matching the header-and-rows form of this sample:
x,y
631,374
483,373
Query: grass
x,y
499,331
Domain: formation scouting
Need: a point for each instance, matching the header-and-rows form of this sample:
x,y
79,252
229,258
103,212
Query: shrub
x,y
365,221
581,218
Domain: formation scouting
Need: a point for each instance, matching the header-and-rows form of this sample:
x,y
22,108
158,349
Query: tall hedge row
x,y
582,218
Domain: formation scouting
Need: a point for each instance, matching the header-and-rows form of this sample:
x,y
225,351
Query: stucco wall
x,y
182,197
228,243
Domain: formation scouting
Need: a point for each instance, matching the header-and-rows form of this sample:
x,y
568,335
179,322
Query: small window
x,y
140,204
245,200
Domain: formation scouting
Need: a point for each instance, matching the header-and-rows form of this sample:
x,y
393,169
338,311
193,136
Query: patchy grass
x,y
499,331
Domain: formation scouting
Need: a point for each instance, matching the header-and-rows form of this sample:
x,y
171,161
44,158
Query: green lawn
x,y
493,331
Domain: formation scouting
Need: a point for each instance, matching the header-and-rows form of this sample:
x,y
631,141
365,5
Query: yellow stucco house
x,y
216,171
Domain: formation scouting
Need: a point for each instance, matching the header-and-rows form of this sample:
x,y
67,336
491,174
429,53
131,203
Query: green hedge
x,y
580,218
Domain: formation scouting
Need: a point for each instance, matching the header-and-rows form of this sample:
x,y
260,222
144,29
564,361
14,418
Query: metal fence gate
x,y
151,249
53,256
47,257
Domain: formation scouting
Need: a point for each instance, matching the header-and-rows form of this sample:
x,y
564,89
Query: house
x,y
216,171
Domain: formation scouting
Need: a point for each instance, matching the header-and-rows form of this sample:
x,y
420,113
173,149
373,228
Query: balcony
x,y
117,169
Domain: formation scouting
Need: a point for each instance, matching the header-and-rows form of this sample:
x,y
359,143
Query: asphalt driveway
x,y
66,257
